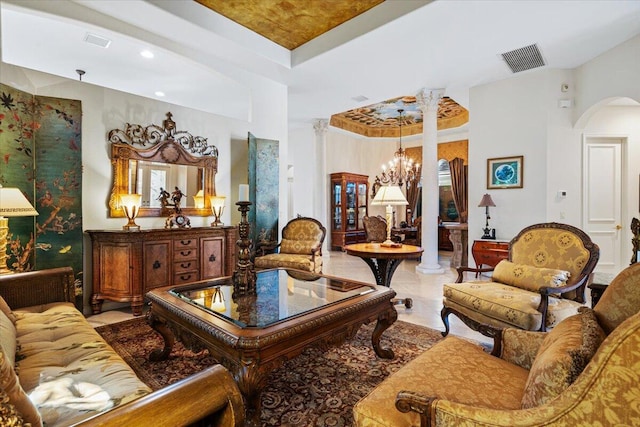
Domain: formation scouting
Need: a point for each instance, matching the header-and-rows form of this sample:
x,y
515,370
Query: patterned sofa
x,y
542,282
585,371
299,249
56,370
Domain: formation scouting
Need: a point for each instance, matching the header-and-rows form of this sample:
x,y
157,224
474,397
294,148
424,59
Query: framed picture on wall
x,y
505,172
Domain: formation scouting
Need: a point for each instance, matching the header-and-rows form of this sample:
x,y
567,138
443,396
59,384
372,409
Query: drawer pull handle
x,y
212,258
185,242
185,277
185,265
156,265
185,253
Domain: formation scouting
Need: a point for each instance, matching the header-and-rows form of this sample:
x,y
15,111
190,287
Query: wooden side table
x,y
489,252
598,285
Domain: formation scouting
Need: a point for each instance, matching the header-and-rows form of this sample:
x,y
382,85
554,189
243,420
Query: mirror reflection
x,y
152,178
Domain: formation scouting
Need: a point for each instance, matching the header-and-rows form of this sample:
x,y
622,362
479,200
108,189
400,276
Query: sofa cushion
x,y
564,353
528,277
58,346
298,262
8,335
620,300
508,305
4,307
470,376
10,384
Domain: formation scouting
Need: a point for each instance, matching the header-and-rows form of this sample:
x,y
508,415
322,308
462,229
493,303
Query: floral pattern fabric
x,y
528,277
621,299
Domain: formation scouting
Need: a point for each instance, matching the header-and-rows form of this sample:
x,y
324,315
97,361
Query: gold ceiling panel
x,y
290,23
382,120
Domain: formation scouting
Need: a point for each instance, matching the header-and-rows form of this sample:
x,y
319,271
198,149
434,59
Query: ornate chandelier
x,y
401,170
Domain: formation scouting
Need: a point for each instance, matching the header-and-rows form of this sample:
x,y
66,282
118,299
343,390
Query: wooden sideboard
x,y
128,264
489,252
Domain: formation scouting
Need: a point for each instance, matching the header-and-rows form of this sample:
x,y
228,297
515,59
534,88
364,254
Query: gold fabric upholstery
x,y
300,247
474,378
620,299
527,277
542,283
564,353
499,305
575,376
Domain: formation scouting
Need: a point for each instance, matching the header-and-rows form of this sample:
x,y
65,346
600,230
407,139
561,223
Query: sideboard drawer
x,y
489,252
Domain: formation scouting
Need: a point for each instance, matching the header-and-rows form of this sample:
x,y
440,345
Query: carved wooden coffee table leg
x,y
384,321
161,327
251,379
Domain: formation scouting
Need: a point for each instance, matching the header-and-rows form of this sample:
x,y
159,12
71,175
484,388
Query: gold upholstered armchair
x,y
541,283
300,247
583,372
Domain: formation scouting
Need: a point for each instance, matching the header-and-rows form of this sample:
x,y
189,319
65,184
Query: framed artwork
x,y
505,172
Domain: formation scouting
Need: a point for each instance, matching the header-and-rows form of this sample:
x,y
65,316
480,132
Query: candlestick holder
x,y
244,276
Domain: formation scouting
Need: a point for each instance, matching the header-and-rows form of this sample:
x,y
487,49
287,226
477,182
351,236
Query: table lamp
x,y
389,195
131,206
485,203
217,207
12,203
198,199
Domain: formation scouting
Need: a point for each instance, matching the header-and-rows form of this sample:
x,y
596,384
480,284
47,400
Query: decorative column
x,y
320,204
428,100
244,276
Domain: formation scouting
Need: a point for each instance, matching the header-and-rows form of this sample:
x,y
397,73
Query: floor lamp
x,y
12,203
389,195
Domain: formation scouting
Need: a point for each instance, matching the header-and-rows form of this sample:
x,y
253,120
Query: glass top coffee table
x,y
253,334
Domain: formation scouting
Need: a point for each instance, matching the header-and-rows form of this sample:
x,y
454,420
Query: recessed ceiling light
x,y
159,93
360,98
147,54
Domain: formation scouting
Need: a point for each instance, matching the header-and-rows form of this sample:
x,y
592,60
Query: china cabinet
x,y
349,200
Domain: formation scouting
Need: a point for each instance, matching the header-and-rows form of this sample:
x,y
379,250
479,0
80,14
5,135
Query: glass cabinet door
x,y
351,205
337,207
362,204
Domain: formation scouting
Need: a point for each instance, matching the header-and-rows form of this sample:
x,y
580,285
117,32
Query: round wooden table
x,y
383,261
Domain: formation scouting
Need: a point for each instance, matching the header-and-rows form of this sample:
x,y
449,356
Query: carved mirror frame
x,y
163,144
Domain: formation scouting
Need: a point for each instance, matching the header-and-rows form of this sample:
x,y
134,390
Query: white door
x,y
602,202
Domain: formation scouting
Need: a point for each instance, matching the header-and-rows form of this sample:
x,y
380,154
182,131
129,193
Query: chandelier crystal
x,y
400,170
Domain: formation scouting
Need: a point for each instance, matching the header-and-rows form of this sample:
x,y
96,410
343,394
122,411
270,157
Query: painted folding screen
x,y
40,144
263,188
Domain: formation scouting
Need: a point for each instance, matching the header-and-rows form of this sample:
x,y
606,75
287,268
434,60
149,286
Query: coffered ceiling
x,y
290,23
389,50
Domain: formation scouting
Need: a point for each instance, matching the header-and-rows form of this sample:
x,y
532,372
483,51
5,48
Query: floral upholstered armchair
x,y
299,249
584,372
541,283
375,228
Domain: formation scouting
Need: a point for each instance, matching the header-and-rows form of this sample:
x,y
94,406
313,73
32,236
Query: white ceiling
x,y
204,61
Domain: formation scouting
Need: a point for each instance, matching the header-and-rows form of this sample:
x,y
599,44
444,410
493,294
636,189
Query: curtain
x,y
459,187
413,191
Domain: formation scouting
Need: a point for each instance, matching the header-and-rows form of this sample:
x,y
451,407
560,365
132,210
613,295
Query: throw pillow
x,y
621,299
4,307
528,277
563,355
10,384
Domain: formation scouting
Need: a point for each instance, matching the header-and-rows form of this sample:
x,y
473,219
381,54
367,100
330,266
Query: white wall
x,y
106,109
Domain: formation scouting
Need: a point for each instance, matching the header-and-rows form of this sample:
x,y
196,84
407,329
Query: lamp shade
x,y
217,202
486,201
389,195
13,203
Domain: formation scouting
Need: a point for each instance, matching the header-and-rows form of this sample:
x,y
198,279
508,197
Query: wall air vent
x,y
523,59
97,40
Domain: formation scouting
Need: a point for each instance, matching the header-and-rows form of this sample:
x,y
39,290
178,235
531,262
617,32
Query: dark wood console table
x,y
128,264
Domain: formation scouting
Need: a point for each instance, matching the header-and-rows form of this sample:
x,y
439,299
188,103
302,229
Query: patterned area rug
x,y
315,388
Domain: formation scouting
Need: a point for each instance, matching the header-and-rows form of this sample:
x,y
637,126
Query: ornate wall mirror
x,y
149,159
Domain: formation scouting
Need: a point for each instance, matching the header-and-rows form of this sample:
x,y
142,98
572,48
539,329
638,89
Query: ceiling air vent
x,y
97,40
523,59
